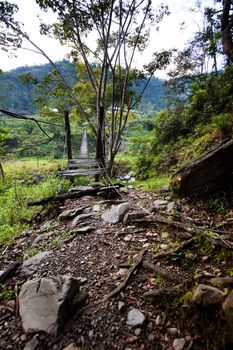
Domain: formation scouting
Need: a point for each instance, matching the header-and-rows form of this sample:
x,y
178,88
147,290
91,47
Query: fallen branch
x,y
72,195
9,272
129,274
162,272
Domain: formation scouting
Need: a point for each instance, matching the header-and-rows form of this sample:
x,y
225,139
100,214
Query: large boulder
x,y
45,303
206,296
206,174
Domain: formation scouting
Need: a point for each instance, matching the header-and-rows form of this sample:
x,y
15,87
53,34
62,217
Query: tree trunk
x,y
68,135
226,29
100,142
209,173
2,172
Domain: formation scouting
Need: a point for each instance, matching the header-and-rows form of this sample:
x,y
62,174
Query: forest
x,y
116,198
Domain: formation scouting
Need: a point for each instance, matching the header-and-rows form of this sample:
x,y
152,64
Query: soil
x,y
101,260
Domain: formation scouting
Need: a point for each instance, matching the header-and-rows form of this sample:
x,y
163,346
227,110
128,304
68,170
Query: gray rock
x,y
184,235
70,213
135,318
50,224
40,238
80,218
172,206
133,215
159,204
31,265
96,208
165,188
178,344
128,238
116,213
32,344
138,331
206,296
45,303
226,281
1,272
228,307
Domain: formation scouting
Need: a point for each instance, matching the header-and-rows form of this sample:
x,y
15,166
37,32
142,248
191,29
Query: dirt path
x,y
101,260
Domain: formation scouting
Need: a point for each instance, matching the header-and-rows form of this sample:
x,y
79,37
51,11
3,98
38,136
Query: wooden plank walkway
x,y
83,165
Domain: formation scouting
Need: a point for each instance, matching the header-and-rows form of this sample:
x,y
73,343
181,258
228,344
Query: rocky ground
x,y
153,274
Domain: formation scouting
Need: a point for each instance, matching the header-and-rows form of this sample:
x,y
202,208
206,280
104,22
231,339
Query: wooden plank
x,y
82,165
82,172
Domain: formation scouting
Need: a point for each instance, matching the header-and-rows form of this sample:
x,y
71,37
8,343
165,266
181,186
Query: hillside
x,y
14,95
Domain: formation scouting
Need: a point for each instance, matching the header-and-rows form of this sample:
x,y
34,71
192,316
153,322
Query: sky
x,y
169,35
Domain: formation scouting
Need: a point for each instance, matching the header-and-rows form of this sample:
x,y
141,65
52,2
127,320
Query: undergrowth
x,y
18,189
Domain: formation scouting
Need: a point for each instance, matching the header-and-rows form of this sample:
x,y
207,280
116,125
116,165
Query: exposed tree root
x,y
162,272
9,272
129,274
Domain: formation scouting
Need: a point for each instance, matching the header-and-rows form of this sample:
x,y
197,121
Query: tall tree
x,y
107,33
227,28
9,38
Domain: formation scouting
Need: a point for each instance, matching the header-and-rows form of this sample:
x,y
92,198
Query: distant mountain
x,y
18,97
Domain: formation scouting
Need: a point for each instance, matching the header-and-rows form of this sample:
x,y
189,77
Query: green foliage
x,y
15,194
189,128
6,293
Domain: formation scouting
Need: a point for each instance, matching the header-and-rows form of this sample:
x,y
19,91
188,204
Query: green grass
x,y
152,184
20,188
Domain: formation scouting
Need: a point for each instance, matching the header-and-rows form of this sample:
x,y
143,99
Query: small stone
x,y
160,204
91,333
184,235
32,344
70,213
165,188
188,338
159,321
178,344
40,238
120,305
128,238
163,246
206,296
31,265
23,337
146,245
82,280
138,331
173,331
11,304
135,318
151,337
96,208
80,218
172,206
164,235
